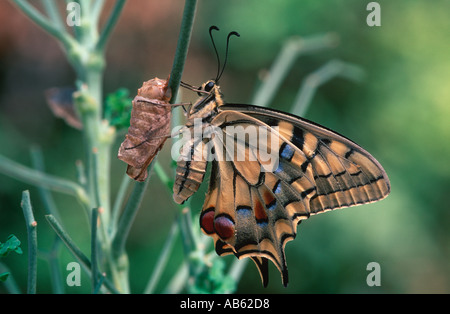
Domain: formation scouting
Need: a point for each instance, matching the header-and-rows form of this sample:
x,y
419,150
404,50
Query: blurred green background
x,y
400,113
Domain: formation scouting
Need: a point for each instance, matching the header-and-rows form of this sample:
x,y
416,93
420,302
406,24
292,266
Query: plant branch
x,y
97,7
10,284
127,218
75,250
94,249
32,241
332,69
182,47
291,50
162,175
43,22
37,161
110,23
52,11
118,203
162,260
38,178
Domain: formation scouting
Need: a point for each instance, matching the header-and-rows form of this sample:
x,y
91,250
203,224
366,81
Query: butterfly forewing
x,y
344,173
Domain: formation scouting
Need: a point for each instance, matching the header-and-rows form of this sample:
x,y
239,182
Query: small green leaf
x,y
12,244
118,108
4,276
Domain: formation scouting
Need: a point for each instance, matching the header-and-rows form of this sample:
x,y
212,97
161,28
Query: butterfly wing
x,y
345,174
253,212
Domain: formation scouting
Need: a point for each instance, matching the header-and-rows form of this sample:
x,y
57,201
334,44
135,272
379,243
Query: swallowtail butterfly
x,y
252,212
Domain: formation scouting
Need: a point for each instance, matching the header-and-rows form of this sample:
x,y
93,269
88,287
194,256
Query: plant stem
x,y
162,175
182,47
312,82
289,53
162,260
38,178
52,11
127,218
10,284
43,22
75,250
37,161
94,249
50,208
32,241
178,280
109,26
54,266
118,203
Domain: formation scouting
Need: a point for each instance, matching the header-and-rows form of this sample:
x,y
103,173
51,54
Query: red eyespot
x,y
207,221
224,227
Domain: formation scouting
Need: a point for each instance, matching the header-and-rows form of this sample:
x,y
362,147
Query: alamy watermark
x,y
374,17
374,277
231,143
73,14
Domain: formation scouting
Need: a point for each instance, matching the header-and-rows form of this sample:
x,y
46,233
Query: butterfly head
x,y
207,87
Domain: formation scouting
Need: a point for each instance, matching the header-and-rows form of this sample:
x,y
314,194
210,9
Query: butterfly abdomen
x,y
191,168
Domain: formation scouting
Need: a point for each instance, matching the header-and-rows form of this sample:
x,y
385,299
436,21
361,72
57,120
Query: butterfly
x,y
251,210
149,126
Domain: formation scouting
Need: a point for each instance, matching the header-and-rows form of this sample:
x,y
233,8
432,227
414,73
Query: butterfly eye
x,y
209,86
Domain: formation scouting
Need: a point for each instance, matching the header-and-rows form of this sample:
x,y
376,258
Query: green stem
x,y
52,11
94,249
10,284
162,260
97,7
38,178
127,218
37,161
289,53
182,47
75,250
54,267
109,26
188,238
32,241
50,208
43,22
312,82
118,203
162,175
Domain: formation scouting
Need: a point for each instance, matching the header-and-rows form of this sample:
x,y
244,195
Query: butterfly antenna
x,y
215,49
226,52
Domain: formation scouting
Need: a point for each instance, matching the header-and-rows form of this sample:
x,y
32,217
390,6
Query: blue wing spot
x,y
286,151
244,210
272,205
277,187
262,223
279,168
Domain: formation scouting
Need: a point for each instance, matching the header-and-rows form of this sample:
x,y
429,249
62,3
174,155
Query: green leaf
x,y
118,108
4,276
12,244
212,279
